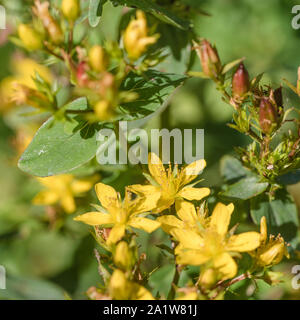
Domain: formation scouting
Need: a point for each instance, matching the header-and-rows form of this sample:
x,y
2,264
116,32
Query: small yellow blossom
x,y
62,189
121,215
212,246
12,88
272,251
136,39
171,185
98,58
71,9
121,288
30,38
103,110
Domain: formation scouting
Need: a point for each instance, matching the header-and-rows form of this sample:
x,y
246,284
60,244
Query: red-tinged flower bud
x,y
268,118
82,76
240,82
210,61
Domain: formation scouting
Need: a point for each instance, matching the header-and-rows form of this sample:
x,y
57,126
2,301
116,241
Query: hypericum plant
x,y
71,85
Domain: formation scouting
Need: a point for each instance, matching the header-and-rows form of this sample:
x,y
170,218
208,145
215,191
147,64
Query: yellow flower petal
x,y
225,265
148,197
169,222
220,218
157,169
188,239
186,211
145,224
244,242
192,257
191,171
81,186
68,203
95,218
116,234
107,195
45,198
263,230
143,190
190,193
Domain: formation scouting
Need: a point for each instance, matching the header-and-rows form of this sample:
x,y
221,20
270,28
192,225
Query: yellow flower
x,y
121,215
70,9
269,252
212,246
31,39
171,185
121,288
12,88
98,58
136,39
62,189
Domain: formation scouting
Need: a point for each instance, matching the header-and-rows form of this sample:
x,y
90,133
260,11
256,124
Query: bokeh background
x,y
45,261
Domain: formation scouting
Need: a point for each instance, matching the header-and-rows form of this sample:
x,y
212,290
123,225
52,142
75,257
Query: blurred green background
x,y
50,263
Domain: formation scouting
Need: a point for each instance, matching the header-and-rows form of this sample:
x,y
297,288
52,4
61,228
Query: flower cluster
x,y
199,239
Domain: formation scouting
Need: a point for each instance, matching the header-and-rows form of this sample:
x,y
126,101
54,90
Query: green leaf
x,y
292,177
161,280
198,74
21,288
95,12
281,215
159,12
153,89
49,253
245,189
62,146
232,169
227,67
59,147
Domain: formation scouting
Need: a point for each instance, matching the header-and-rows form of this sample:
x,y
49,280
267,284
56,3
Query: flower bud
x,y
272,255
70,9
240,82
123,257
41,10
119,287
103,110
210,61
268,119
208,278
136,39
29,37
81,74
98,58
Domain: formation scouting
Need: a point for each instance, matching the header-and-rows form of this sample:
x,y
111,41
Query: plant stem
x,y
174,284
224,285
175,280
